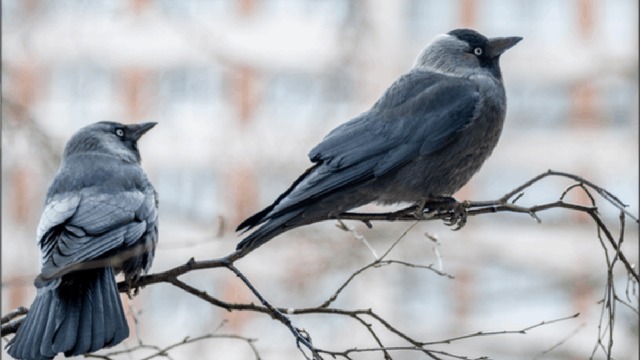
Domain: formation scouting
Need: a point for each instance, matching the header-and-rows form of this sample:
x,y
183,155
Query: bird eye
x,y
477,51
120,132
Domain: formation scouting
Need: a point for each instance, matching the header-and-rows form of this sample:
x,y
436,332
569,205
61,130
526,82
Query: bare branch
x,y
164,352
8,325
372,322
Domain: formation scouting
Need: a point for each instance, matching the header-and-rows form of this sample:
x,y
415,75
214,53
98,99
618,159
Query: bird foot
x,y
457,216
133,288
455,211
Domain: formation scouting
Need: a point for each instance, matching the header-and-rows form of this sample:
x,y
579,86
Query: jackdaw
x,y
100,218
423,139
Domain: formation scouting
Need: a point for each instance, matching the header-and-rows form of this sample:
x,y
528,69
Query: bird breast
x,y
445,171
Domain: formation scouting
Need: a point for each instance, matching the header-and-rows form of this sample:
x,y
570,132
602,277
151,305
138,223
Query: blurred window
x,y
196,8
297,98
620,101
190,92
189,192
12,13
426,18
81,93
504,17
294,96
555,22
332,10
617,24
100,7
543,105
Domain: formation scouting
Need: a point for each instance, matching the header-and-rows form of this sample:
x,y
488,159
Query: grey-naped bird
x,y
100,217
423,139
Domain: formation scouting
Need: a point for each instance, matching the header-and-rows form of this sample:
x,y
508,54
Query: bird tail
x,y
79,314
269,230
266,213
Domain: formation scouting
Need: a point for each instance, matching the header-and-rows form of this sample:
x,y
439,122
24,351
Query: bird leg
x,y
419,209
133,289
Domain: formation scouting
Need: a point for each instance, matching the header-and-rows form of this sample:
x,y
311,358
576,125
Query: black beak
x,y
497,46
137,130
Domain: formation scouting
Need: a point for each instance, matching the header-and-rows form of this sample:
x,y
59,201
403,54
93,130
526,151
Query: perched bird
x,y
423,139
100,217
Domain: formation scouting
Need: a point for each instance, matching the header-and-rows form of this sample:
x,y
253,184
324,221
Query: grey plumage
x,y
423,139
100,218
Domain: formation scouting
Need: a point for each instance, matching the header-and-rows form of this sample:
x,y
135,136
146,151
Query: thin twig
x,y
502,332
561,342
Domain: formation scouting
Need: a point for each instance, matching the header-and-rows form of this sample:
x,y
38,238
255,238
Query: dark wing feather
x,y
100,223
421,109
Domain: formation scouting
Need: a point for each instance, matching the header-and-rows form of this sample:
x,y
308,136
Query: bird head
x,y
109,138
465,52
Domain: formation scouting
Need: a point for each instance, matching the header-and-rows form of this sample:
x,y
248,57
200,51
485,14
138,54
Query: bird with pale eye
x,y
426,136
100,218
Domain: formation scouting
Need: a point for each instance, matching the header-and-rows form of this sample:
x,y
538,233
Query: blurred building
x,y
242,89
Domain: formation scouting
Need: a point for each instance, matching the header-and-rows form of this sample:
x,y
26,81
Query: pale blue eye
x,y
477,51
120,132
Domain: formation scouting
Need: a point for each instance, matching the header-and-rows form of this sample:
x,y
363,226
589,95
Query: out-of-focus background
x,y
242,89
